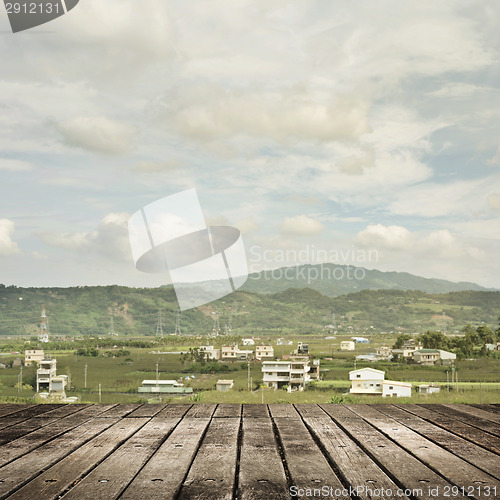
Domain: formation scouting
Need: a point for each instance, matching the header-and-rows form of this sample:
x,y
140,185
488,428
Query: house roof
x,y
367,369
393,382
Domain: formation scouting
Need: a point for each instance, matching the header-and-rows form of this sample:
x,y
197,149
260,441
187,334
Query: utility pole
x,y
157,380
99,393
20,380
85,375
248,375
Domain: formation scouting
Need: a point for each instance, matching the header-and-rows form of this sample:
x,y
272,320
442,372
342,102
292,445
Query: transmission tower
x,y
159,324
112,325
43,335
178,323
216,327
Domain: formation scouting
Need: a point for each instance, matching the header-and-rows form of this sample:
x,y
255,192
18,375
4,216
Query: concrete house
x,y
33,356
264,352
372,381
347,345
47,380
224,385
164,387
433,357
293,373
234,353
210,352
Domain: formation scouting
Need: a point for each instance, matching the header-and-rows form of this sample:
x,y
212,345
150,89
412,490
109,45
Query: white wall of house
x,y
396,389
347,345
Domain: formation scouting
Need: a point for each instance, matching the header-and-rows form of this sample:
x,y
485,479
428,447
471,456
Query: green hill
x,y
81,311
333,280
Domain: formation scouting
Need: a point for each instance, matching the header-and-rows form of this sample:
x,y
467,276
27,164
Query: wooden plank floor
x,y
208,451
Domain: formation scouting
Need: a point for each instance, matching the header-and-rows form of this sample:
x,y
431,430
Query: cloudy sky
x,y
345,127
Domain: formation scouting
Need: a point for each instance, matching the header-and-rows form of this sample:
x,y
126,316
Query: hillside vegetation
x,y
81,311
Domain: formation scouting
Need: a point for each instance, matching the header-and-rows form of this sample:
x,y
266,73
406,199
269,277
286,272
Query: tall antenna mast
x,y
159,324
43,335
216,327
178,322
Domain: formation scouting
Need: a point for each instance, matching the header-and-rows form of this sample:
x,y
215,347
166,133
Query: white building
x,y
371,381
347,345
224,385
210,352
164,387
47,380
433,357
234,353
33,356
293,373
264,352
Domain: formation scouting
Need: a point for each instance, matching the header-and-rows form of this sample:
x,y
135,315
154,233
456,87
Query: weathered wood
x,y
174,411
227,410
70,469
25,427
474,412
29,442
307,465
62,410
27,467
212,474
404,469
147,410
475,455
120,410
255,411
163,475
456,470
33,411
283,411
494,408
114,474
475,421
201,411
310,410
261,470
457,427
10,409
361,473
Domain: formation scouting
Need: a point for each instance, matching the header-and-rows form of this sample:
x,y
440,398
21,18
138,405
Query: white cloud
x,y
494,201
110,239
98,133
13,165
455,89
301,225
7,245
380,236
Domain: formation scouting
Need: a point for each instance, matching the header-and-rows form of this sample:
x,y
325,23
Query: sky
x,y
365,133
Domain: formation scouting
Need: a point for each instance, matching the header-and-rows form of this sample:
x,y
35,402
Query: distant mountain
x,y
333,280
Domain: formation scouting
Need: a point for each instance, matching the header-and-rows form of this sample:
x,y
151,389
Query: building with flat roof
x,y
33,356
291,373
372,381
164,387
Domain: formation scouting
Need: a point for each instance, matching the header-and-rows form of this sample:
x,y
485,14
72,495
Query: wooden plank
x,y
404,469
255,411
9,421
212,474
27,443
361,473
201,411
62,411
283,411
146,410
22,428
261,474
456,470
174,411
113,475
461,429
475,455
63,474
120,410
310,410
475,412
10,409
494,408
27,467
306,463
475,421
228,410
33,411
164,474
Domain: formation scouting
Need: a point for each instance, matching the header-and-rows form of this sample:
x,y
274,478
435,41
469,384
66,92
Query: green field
x,y
119,377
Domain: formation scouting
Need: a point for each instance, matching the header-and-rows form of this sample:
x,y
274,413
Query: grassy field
x,y
120,377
